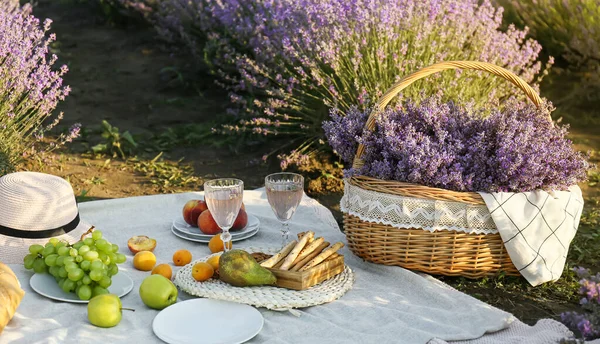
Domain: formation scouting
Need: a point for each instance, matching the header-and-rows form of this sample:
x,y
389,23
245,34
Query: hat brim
x,y
13,250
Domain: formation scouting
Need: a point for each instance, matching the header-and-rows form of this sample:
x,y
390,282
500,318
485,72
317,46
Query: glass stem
x,y
285,233
226,238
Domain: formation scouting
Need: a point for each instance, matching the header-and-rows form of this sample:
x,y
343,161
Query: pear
x,y
238,268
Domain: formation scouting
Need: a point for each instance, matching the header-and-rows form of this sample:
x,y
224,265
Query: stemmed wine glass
x,y
224,199
284,192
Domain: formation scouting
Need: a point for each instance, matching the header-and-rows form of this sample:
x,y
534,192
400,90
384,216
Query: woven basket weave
x,y
443,252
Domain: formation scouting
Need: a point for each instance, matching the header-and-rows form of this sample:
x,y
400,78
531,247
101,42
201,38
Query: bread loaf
x,y
11,295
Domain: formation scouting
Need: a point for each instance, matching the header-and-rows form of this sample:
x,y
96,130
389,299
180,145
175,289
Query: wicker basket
x,y
443,252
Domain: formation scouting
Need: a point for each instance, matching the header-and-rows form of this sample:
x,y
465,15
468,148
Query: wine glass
x,y
284,192
224,198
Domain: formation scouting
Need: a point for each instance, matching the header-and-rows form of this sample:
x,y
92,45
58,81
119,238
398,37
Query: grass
x,y
167,174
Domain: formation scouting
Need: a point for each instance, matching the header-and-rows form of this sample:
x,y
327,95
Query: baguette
x,y
308,249
324,255
308,258
296,251
269,263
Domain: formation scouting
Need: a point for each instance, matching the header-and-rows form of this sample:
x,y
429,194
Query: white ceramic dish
x,y
185,236
207,321
183,227
46,285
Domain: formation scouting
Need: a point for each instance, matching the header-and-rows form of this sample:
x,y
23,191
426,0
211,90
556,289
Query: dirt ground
x,y
120,73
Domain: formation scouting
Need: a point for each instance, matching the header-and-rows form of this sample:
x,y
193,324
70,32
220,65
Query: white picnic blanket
x,y
387,304
537,228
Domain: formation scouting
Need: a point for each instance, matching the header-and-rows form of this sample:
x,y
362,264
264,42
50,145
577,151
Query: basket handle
x,y
438,67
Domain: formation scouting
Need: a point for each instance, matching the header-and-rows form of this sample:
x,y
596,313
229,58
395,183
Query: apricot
x,y
163,269
214,261
144,260
141,243
202,271
216,244
182,257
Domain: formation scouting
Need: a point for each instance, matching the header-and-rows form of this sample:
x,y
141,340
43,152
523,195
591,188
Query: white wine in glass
x,y
224,200
284,192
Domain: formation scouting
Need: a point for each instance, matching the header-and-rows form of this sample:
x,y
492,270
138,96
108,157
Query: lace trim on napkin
x,y
410,212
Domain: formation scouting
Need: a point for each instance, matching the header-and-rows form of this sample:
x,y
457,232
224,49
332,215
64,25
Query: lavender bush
x,y
454,147
286,62
568,28
29,86
587,324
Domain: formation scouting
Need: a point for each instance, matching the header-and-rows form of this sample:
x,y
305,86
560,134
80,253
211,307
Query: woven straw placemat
x,y
265,296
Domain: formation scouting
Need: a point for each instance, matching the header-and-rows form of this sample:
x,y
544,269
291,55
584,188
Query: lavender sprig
x,y
439,144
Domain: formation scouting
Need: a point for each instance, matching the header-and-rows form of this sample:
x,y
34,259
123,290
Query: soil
x,y
122,74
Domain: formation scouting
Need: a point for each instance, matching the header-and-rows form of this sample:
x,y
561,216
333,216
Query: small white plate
x,y
185,236
183,227
207,321
46,285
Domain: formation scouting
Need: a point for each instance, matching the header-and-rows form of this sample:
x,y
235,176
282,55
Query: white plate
x,y
207,321
46,285
185,236
183,227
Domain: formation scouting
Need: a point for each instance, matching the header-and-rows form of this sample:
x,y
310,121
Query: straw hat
x,y
35,207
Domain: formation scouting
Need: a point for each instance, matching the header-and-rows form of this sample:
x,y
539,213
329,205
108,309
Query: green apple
x,y
158,292
105,310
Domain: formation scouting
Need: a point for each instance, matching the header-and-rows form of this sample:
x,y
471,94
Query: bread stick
x,y
308,249
278,265
269,263
324,255
312,255
296,251
300,235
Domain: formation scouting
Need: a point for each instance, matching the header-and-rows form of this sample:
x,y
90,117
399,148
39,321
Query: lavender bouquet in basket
x,y
461,148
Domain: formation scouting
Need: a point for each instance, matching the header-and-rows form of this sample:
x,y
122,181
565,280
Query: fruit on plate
x,y
163,269
105,310
214,261
216,244
182,257
240,221
91,261
202,271
11,295
238,268
208,225
158,292
192,210
144,260
141,243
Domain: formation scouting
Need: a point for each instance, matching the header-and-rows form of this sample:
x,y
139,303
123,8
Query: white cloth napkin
x,y
537,228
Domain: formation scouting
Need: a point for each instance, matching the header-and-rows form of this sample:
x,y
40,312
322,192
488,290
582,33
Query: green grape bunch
x,y
85,267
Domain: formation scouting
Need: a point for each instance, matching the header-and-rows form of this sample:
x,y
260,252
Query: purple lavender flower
x,y
587,323
30,88
454,147
300,58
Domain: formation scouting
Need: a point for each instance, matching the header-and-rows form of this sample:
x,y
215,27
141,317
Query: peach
x,y
140,243
240,221
207,223
192,210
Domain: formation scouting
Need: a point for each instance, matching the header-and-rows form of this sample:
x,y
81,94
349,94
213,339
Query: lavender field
x,y
137,97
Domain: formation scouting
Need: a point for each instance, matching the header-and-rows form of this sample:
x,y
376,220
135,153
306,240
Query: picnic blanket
x,y
387,304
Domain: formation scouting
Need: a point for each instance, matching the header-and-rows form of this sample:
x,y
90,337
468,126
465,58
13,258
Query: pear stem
x,y
128,309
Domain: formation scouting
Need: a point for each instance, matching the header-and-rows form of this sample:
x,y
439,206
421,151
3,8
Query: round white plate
x,y
46,285
183,227
185,236
207,321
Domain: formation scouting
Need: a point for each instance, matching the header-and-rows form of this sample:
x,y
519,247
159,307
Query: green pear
x,y
105,310
158,292
240,269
